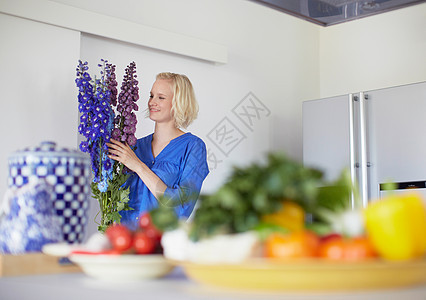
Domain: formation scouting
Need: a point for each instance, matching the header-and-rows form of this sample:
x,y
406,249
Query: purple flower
x,y
107,164
126,119
116,134
131,140
83,118
84,146
95,114
112,83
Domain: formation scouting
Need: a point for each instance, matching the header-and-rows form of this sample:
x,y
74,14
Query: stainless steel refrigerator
x,y
380,135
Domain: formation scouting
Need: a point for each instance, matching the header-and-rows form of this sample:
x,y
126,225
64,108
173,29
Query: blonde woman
x,y
168,162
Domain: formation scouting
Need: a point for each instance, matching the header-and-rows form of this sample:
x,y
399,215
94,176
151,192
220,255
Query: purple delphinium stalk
x,y
112,84
125,120
86,102
96,121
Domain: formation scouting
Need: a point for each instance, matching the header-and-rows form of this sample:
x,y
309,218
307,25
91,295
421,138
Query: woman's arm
x,y
194,169
124,154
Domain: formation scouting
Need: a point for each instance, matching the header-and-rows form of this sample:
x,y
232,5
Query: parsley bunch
x,y
253,191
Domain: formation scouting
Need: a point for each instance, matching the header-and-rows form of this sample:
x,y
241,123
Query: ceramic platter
x,y
308,275
122,267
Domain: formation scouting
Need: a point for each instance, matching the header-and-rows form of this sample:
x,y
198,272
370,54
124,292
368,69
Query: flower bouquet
x,y
103,117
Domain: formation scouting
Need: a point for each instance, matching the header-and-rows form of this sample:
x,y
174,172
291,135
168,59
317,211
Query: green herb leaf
x,y
253,191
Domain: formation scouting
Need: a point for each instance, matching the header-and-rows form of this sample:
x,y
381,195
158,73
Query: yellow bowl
x,y
308,274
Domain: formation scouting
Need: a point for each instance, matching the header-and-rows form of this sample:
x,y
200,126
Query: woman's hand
x,y
124,154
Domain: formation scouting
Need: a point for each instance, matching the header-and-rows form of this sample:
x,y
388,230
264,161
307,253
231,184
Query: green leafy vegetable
x,y
253,191
334,209
258,189
336,196
164,218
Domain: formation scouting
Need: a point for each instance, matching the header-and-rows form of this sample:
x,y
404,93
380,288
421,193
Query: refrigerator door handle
x,y
352,151
363,151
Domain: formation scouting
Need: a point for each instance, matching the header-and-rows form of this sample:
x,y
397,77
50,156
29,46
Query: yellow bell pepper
x,y
291,216
396,226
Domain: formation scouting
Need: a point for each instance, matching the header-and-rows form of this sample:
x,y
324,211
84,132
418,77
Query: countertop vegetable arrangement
x,y
286,210
281,210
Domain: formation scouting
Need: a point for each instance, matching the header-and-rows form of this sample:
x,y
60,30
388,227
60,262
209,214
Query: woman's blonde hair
x,y
184,103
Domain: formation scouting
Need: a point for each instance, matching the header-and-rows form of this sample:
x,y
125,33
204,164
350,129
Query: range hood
x,y
330,12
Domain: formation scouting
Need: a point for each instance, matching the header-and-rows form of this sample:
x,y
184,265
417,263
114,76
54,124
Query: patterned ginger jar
x,y
68,171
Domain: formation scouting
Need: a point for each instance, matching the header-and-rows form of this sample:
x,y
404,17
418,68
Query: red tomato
x,y
329,237
350,249
293,245
154,234
142,243
120,237
145,220
146,224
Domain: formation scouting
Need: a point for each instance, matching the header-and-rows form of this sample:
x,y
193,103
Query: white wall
x,y
375,52
38,96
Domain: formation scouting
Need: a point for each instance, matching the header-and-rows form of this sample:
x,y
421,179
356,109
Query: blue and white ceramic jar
x,y
28,219
68,172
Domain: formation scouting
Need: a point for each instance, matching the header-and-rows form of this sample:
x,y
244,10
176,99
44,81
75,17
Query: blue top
x,y
181,165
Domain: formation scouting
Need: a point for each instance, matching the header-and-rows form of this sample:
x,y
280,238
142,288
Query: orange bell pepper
x,y
297,244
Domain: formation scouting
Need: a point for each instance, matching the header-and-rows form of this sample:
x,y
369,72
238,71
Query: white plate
x,y
59,249
122,267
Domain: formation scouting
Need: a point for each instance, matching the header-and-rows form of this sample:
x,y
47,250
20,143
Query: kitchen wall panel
x,y
374,52
38,95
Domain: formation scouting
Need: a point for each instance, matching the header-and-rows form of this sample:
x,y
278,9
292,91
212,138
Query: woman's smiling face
x,y
160,101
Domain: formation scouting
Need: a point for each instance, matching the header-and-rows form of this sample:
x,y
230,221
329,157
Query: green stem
x,y
101,205
106,211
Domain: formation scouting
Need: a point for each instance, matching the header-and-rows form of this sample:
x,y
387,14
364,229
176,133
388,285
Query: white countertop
x,y
174,286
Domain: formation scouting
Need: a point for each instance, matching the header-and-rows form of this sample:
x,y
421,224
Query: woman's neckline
x,y
168,144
